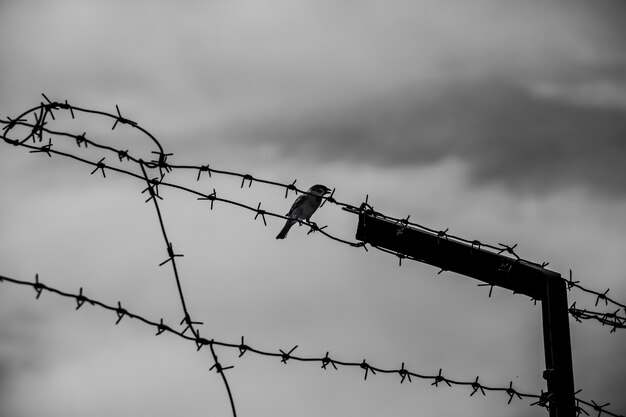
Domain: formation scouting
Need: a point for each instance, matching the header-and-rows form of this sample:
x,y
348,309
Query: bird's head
x,y
319,189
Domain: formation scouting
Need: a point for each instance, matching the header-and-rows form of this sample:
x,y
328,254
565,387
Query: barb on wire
x,y
326,360
543,399
121,312
121,119
508,249
292,187
100,166
161,162
287,355
40,122
476,387
261,213
404,374
44,149
247,177
203,168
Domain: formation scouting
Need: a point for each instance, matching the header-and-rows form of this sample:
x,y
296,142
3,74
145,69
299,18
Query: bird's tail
x,y
285,229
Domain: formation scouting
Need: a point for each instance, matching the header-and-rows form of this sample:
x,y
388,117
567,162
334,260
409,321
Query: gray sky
x,y
502,120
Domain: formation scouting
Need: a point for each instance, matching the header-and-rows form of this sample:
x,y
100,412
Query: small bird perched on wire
x,y
304,207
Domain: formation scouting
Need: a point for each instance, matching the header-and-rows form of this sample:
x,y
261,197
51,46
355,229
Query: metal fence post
x,y
495,269
559,372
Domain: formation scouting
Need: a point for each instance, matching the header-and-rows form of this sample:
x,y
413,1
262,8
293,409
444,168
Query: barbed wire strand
x,y
38,128
41,112
172,259
544,399
613,320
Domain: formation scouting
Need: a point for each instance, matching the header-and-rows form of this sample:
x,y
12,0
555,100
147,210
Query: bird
x,y
304,207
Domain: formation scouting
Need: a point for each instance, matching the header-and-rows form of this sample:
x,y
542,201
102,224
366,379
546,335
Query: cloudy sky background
x,y
504,121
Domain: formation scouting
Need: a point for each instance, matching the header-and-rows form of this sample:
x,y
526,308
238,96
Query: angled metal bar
x,y
559,371
495,269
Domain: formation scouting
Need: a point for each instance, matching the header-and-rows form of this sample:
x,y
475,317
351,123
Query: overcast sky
x,y
502,120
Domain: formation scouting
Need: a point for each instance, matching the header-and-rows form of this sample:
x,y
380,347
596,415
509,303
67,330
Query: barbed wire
x,y
41,112
543,399
38,128
190,324
613,320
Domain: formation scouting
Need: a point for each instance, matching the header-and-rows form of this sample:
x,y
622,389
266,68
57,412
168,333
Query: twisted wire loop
x,y
543,399
36,123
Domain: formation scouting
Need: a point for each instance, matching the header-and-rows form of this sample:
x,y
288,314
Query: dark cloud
x,y
505,132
